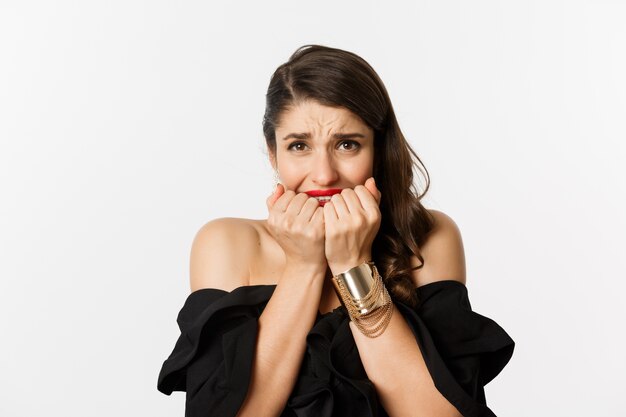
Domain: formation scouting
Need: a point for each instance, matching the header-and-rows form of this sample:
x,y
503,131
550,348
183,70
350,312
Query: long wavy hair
x,y
334,77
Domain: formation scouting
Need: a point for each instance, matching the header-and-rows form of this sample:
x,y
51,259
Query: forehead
x,y
311,115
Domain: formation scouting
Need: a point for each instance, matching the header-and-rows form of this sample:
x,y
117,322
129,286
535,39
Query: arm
x,y
283,326
401,378
393,361
221,254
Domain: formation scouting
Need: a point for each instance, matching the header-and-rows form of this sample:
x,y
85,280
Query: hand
x,y
297,223
351,222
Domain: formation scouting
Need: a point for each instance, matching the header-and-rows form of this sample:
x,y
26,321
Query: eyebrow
x,y
336,136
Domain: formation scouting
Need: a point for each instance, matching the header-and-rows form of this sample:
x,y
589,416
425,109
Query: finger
x,y
370,184
284,200
369,203
296,204
330,215
271,200
318,215
340,205
353,201
308,209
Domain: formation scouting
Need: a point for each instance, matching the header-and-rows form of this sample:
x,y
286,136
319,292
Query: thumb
x,y
278,191
370,184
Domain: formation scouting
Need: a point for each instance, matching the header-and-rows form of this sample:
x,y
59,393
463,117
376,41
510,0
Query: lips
x,y
323,196
323,193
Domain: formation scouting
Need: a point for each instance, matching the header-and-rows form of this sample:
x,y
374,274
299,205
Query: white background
x,y
127,125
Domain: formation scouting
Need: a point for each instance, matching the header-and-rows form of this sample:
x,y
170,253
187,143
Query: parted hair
x,y
335,77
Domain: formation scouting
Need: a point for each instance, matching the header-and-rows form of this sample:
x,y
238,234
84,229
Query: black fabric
x,y
212,358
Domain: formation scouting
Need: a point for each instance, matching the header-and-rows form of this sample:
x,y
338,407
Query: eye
x,y
294,144
353,145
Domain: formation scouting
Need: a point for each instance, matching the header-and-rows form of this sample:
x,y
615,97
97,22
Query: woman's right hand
x,y
297,223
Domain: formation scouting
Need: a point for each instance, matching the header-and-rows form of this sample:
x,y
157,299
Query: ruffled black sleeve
x,y
212,358
463,350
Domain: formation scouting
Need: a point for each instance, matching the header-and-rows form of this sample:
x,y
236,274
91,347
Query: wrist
x,y
305,269
363,293
343,266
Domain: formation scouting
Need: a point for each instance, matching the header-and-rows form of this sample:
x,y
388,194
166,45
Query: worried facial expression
x,y
322,148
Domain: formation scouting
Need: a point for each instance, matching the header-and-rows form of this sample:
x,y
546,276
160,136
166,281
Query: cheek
x,y
291,174
360,170
363,176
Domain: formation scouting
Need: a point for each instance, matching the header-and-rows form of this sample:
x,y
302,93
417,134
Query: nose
x,y
323,171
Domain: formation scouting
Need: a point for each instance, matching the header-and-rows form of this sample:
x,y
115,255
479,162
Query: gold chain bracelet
x,y
362,292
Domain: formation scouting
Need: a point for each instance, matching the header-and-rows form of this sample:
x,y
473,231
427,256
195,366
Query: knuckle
x,y
288,223
297,199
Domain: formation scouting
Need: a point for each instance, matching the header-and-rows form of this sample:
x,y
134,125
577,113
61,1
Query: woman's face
x,y
320,148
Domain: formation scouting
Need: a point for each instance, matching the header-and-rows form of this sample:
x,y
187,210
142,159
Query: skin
x,y
339,234
305,240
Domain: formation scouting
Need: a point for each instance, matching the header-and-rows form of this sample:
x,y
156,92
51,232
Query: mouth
x,y
323,200
323,196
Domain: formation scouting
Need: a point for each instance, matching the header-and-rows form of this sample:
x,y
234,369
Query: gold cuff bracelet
x,y
362,292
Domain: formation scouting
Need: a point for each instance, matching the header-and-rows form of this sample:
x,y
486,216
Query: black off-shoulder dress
x,y
212,358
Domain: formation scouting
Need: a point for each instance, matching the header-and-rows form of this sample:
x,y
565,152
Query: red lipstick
x,y
322,193
323,196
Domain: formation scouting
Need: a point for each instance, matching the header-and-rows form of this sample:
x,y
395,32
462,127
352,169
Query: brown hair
x,y
334,77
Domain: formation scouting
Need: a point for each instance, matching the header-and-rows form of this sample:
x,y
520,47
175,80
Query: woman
x,y
350,298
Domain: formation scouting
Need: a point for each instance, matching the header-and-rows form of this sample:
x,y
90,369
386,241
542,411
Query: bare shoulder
x,y
221,253
443,253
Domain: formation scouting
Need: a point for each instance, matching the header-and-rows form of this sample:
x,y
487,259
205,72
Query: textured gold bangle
x,y
362,292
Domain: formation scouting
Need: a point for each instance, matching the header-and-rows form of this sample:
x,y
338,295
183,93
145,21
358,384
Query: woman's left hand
x,y
351,222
